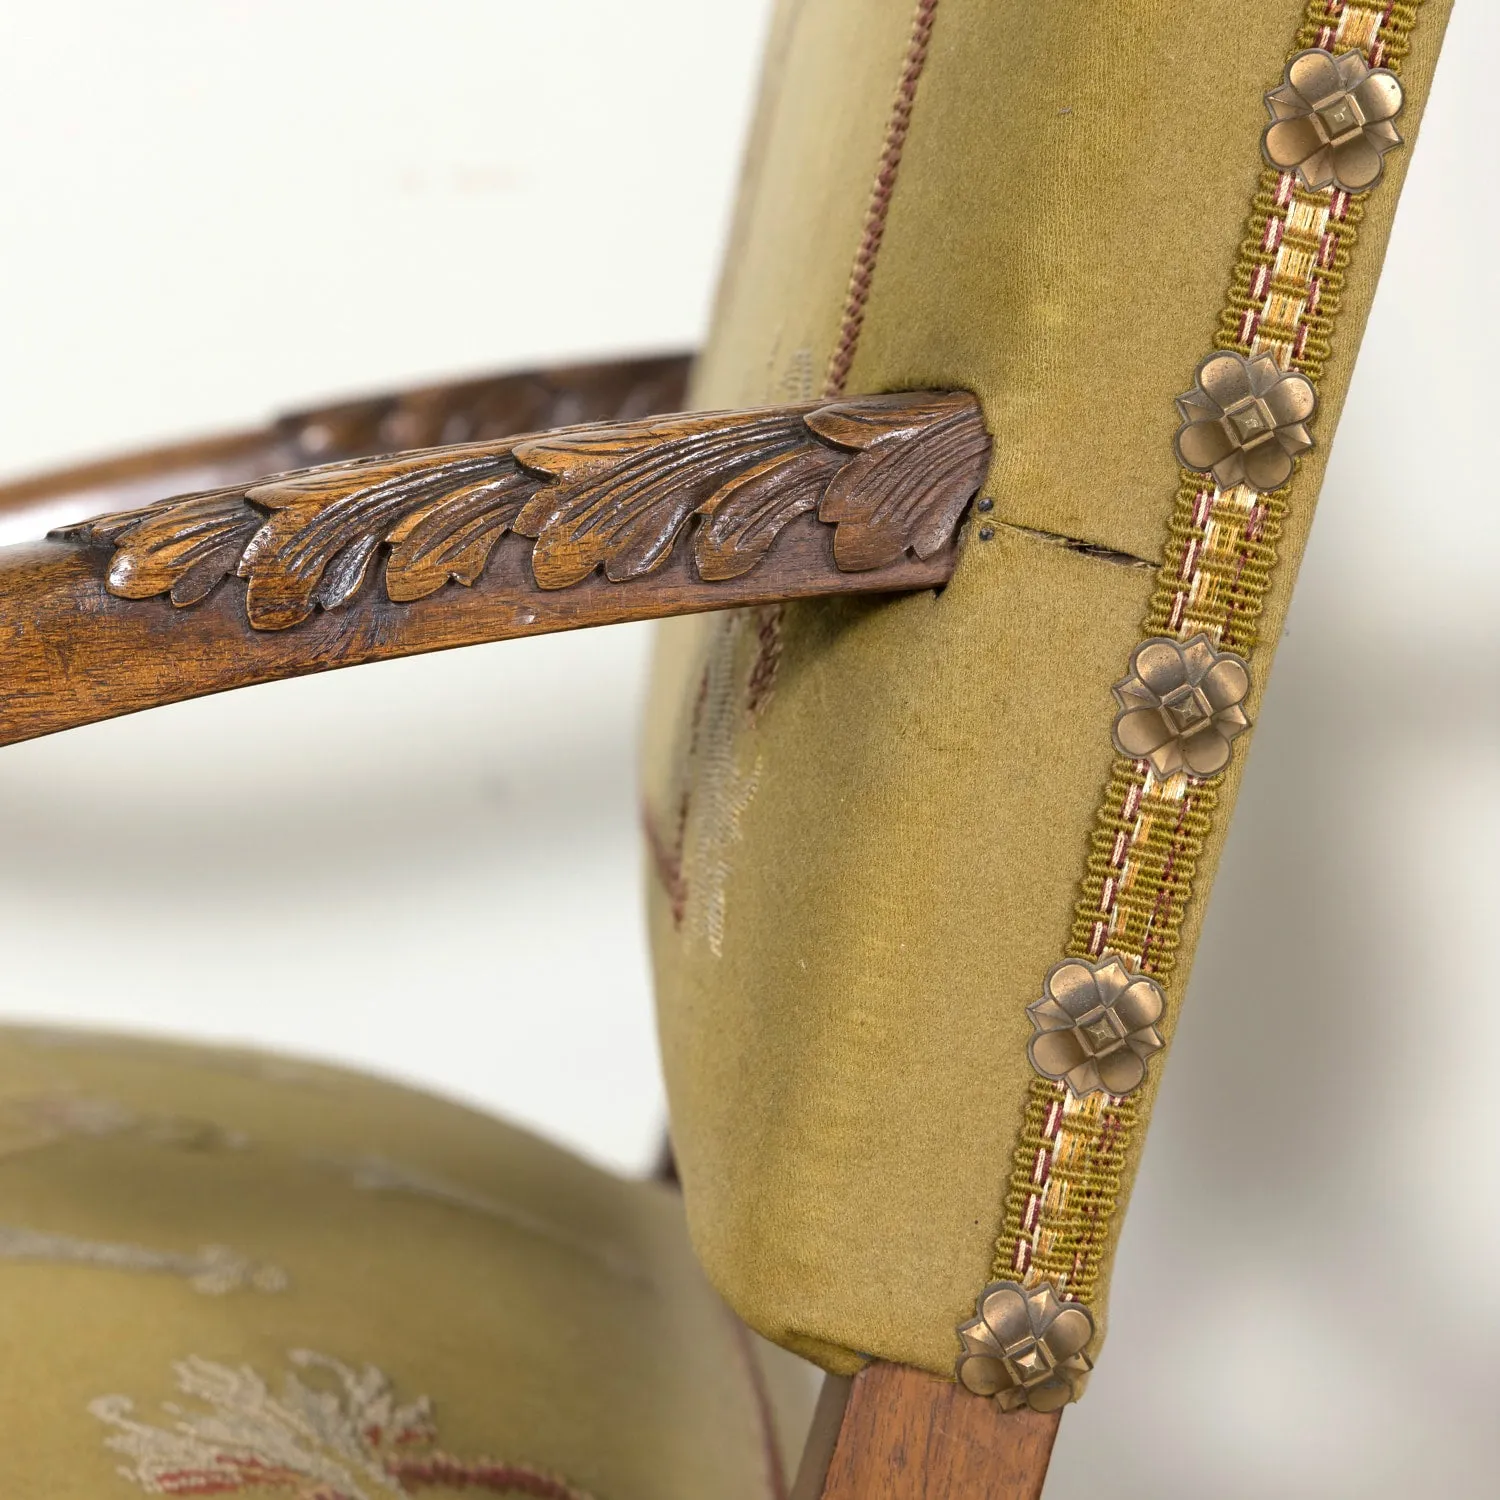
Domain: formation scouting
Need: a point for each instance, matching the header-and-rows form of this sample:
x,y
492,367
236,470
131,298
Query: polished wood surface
x,y
356,563
894,1433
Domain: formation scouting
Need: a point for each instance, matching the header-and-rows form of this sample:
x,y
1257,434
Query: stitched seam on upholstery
x,y
858,293
1283,297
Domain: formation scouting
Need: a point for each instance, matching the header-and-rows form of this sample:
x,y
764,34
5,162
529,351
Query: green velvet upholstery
x,y
223,1272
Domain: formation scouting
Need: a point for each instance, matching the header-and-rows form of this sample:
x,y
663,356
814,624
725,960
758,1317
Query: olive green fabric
x,y
182,1230
870,822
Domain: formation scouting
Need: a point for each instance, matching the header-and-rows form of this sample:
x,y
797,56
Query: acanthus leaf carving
x,y
622,496
891,474
450,540
915,454
744,517
325,524
183,550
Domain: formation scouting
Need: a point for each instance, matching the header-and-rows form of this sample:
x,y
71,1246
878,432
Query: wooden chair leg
x,y
894,1433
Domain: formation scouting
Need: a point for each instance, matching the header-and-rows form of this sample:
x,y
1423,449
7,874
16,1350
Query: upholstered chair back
x,y
900,848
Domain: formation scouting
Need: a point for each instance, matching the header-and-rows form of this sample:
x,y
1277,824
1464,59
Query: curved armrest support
x,y
354,562
454,411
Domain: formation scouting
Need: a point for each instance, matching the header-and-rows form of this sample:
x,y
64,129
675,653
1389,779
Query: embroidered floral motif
x,y
1095,1026
343,1436
1331,120
1244,420
1180,705
1025,1348
214,1270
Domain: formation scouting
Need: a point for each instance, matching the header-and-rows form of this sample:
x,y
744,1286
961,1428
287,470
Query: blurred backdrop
x,y
212,209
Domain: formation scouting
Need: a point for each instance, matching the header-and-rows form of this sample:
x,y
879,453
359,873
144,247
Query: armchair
x,y
1049,386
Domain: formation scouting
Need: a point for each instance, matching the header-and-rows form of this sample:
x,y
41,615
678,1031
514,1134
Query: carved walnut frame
x,y
365,558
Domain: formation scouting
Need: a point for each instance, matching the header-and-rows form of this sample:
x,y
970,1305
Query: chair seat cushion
x,y
223,1272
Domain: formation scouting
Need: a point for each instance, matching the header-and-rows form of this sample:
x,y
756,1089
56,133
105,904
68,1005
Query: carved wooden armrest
x,y
355,561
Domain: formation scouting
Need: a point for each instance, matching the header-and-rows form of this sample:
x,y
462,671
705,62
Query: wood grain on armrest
x,y
361,561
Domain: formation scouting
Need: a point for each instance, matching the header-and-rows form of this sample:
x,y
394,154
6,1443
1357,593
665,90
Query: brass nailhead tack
x,y
1331,120
1095,1026
1244,420
1180,705
1025,1347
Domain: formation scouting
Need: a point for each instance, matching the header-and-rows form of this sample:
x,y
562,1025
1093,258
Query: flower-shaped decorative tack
x,y
1095,1026
1180,705
1026,1347
1331,120
1243,419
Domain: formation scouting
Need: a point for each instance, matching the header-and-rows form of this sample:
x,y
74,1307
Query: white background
x,y
210,210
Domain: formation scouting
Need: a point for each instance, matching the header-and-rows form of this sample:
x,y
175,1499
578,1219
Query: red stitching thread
x,y
497,1478
880,200
666,859
1168,889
